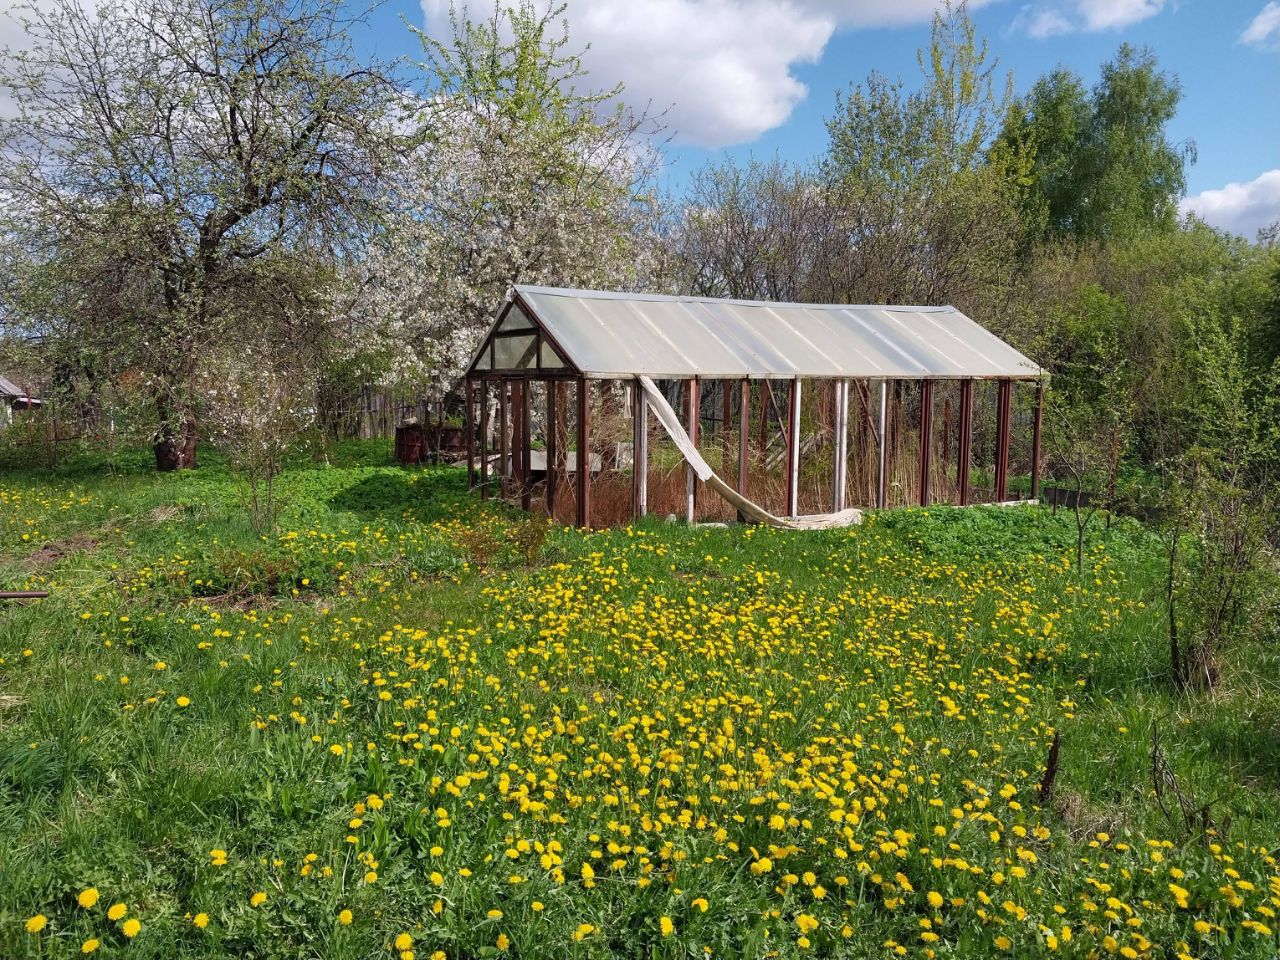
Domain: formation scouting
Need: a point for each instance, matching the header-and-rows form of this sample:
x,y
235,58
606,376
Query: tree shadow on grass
x,y
421,495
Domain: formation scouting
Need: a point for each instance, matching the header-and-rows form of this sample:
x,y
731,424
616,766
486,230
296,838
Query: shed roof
x,y
10,389
605,335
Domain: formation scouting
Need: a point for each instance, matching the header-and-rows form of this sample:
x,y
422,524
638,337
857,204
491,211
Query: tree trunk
x,y
175,445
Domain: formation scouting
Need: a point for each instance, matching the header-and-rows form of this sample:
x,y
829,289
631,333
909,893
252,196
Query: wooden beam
x,y
584,456
1037,429
882,478
552,444
640,452
690,481
926,438
469,431
841,456
793,449
965,452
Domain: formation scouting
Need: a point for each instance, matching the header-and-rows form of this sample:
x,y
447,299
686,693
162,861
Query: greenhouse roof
x,y
548,332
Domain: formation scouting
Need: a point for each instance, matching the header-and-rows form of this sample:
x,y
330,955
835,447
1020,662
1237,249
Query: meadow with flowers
x,y
410,727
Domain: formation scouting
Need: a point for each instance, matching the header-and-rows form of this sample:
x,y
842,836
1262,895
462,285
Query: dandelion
x,y
37,923
201,920
404,941
503,941
584,930
667,926
700,904
257,899
806,923
183,702
345,917
935,899
88,898
90,945
116,911
131,927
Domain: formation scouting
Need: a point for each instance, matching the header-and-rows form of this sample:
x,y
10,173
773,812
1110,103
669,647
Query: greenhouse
x,y
792,414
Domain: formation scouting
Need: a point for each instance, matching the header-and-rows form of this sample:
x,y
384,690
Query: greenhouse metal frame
x,y
547,338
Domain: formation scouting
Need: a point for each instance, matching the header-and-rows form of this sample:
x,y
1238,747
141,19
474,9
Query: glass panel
x,y
550,359
482,361
513,353
516,319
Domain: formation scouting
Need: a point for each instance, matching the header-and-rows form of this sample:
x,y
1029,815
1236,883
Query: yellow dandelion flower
x,y
37,923
116,911
88,898
131,927
90,945
258,899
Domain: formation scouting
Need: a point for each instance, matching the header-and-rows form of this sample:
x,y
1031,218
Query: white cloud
x,y
1264,30
1242,208
1047,19
723,68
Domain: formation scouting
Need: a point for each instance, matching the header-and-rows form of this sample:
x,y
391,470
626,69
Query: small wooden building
x,y
797,365
13,397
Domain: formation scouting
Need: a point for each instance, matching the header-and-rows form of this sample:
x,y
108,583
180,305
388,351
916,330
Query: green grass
x,y
778,726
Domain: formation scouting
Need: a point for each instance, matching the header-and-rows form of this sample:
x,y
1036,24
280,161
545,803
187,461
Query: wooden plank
x,y
504,444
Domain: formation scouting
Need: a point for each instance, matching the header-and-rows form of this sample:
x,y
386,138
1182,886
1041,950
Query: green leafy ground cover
x,y
407,726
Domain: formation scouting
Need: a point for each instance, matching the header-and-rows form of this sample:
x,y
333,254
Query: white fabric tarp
x,y
684,443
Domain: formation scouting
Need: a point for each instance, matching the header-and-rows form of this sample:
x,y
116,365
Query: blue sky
x,y
744,77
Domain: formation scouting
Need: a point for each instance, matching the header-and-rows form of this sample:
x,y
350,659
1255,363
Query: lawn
x,y
405,725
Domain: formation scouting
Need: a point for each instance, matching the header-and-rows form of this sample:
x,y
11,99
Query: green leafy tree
x,y
1104,166
928,197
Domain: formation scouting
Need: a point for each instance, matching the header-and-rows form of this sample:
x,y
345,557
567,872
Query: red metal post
x,y
1037,430
1002,440
584,456
965,429
926,438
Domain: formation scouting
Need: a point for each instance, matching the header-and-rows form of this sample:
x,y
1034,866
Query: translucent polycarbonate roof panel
x,y
622,335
